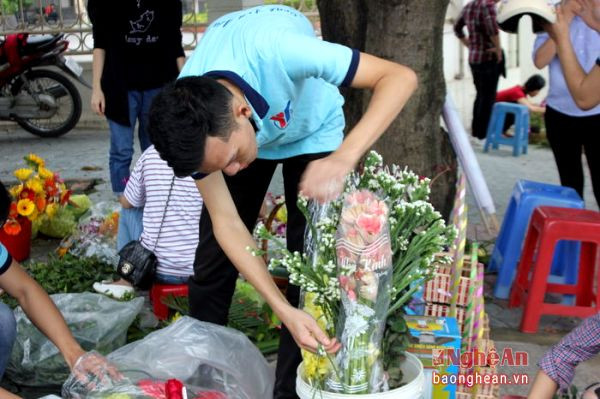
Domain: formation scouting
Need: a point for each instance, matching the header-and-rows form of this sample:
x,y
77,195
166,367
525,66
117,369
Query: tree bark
x,y
409,32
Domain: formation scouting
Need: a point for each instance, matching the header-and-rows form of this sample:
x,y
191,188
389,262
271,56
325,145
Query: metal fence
x,y
70,17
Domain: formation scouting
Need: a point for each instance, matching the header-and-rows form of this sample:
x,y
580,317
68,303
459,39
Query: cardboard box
x,y
431,335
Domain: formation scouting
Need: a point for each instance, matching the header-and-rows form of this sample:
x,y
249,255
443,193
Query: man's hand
x,y
324,178
307,333
497,52
589,11
98,102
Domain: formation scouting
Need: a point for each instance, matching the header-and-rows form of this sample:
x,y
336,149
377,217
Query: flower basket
x,y
19,245
414,380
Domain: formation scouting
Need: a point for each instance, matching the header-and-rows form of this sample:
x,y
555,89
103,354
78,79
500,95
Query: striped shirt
x,y
148,187
5,258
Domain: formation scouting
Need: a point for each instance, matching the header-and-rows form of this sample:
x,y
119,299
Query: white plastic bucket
x,y
412,369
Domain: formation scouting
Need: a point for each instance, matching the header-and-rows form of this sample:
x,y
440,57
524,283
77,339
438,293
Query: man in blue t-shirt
x,y
261,90
42,312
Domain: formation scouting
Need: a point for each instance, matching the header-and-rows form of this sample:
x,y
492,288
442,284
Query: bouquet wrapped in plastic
x,y
211,361
96,234
364,265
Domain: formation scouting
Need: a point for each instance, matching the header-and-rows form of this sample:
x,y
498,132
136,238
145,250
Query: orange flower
x,y
40,203
12,227
25,207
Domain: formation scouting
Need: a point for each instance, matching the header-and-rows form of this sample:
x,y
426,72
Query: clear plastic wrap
x,y
96,234
210,360
97,323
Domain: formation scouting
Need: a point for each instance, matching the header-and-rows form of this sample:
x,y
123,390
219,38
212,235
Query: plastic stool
x,y
494,137
526,196
160,291
548,226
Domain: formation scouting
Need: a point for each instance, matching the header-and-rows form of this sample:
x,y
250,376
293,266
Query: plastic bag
x,y
96,321
96,234
210,360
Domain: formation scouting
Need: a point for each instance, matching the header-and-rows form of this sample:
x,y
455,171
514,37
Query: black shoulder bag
x,y
138,264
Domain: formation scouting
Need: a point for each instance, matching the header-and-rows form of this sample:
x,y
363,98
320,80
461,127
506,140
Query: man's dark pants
x,y
485,78
213,284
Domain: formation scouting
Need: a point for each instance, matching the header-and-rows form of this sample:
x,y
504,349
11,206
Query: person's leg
x,y
289,357
130,226
8,333
566,145
121,146
143,135
476,71
213,284
591,145
170,279
509,120
489,74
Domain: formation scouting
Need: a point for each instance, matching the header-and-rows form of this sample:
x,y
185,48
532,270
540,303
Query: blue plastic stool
x,y
526,196
520,140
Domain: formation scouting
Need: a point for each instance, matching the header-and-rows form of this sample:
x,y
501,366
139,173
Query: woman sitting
x,y
174,239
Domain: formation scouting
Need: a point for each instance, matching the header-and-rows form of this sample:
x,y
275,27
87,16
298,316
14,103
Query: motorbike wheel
x,y
43,81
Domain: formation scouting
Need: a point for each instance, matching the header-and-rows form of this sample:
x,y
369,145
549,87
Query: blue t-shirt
x,y
5,259
292,76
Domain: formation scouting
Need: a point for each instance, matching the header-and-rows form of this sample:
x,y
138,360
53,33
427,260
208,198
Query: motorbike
x,y
42,101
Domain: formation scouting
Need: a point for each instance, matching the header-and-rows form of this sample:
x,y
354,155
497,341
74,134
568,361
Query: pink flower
x,y
348,285
369,223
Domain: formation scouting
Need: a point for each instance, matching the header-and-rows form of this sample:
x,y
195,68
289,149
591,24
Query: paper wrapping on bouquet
x,y
212,361
364,260
97,323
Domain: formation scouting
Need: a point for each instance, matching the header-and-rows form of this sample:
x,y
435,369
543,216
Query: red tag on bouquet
x,y
174,389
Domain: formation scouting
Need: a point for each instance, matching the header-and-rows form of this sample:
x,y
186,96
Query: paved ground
x,y
82,154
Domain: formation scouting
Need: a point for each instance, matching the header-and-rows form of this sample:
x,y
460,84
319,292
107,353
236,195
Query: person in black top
x,y
137,49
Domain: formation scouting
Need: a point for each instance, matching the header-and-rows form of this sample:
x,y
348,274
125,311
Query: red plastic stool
x,y
160,291
548,226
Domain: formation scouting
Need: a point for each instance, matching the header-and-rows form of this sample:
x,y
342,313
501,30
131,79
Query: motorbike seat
x,y
37,43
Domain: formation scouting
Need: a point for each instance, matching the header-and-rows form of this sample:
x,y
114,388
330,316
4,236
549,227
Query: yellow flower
x,y
16,190
36,160
34,215
35,185
45,173
51,209
25,207
23,173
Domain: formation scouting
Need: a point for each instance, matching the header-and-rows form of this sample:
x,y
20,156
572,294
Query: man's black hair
x,y
4,204
183,114
534,83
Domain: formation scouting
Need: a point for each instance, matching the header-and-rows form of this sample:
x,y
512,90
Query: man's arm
x,y
392,85
235,239
544,55
42,312
543,387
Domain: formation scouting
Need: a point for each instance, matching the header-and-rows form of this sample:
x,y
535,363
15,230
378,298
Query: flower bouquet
x,y
40,195
330,283
364,259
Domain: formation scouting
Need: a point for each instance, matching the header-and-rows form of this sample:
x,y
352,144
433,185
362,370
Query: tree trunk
x,y
409,32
